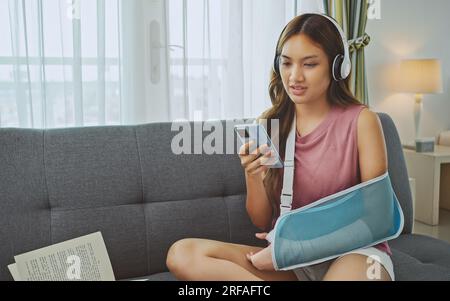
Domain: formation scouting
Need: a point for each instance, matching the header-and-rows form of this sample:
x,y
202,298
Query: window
x,y
59,63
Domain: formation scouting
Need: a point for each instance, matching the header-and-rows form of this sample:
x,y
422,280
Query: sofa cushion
x,y
419,257
425,249
92,167
221,218
408,268
167,176
123,230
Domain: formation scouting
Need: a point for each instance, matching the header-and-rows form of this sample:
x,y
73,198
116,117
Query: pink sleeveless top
x,y
326,159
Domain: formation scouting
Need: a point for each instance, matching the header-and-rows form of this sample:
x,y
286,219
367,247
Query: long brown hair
x,y
324,33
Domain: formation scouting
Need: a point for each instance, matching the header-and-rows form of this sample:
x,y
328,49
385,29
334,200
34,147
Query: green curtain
x,y
352,16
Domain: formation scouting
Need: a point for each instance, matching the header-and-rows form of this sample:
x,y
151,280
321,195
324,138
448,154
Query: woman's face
x,y
304,70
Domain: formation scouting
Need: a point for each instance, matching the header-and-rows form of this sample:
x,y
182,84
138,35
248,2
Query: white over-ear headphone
x,y
342,64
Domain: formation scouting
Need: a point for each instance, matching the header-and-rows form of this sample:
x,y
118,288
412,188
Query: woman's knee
x,y
181,256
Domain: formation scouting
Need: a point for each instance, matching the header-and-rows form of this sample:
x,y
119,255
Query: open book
x,y
84,258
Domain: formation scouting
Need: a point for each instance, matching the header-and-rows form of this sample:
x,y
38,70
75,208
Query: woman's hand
x,y
255,162
263,259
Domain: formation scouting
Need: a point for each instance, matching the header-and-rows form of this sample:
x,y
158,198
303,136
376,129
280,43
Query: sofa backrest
x,y
126,182
397,170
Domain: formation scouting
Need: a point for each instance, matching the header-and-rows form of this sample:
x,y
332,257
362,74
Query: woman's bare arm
x,y
371,146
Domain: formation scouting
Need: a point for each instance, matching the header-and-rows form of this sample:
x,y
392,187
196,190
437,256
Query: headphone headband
x,y
342,64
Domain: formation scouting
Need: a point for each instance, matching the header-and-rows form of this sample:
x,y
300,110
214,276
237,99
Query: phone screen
x,y
243,133
258,134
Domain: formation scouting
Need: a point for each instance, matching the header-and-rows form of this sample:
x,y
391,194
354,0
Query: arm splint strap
x,y
360,216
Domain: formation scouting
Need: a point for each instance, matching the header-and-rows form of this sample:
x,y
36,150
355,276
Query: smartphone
x,y
257,133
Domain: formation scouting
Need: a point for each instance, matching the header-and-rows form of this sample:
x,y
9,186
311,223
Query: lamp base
x,y
418,106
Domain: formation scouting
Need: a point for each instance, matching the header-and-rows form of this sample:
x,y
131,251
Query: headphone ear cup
x,y
337,64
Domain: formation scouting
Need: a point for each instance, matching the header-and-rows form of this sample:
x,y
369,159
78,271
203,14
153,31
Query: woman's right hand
x,y
254,163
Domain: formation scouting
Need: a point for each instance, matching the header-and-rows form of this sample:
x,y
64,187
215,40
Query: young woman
x,y
339,143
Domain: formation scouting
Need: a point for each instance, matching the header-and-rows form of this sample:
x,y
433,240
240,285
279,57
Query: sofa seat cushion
x,y
419,257
424,248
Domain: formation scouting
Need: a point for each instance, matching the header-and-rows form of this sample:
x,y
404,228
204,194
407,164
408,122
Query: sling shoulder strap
x,y
288,175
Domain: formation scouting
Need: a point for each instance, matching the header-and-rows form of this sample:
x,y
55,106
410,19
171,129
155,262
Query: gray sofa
x,y
125,182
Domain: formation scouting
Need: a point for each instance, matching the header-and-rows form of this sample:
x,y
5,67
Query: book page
x,y
14,272
84,258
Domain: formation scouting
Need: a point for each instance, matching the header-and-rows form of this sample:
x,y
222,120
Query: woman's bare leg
x,y
353,267
201,259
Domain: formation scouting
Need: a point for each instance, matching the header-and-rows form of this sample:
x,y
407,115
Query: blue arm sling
x,y
360,216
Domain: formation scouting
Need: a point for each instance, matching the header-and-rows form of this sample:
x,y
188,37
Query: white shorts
x,y
317,272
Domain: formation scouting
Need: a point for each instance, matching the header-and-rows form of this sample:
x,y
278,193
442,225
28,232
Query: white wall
x,y
409,29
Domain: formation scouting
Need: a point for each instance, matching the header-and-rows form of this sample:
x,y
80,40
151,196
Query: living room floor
x,y
442,231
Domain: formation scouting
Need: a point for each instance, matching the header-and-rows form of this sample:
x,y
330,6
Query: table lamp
x,y
420,77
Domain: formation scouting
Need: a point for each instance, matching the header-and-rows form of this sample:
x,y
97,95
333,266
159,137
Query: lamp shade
x,y
421,76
